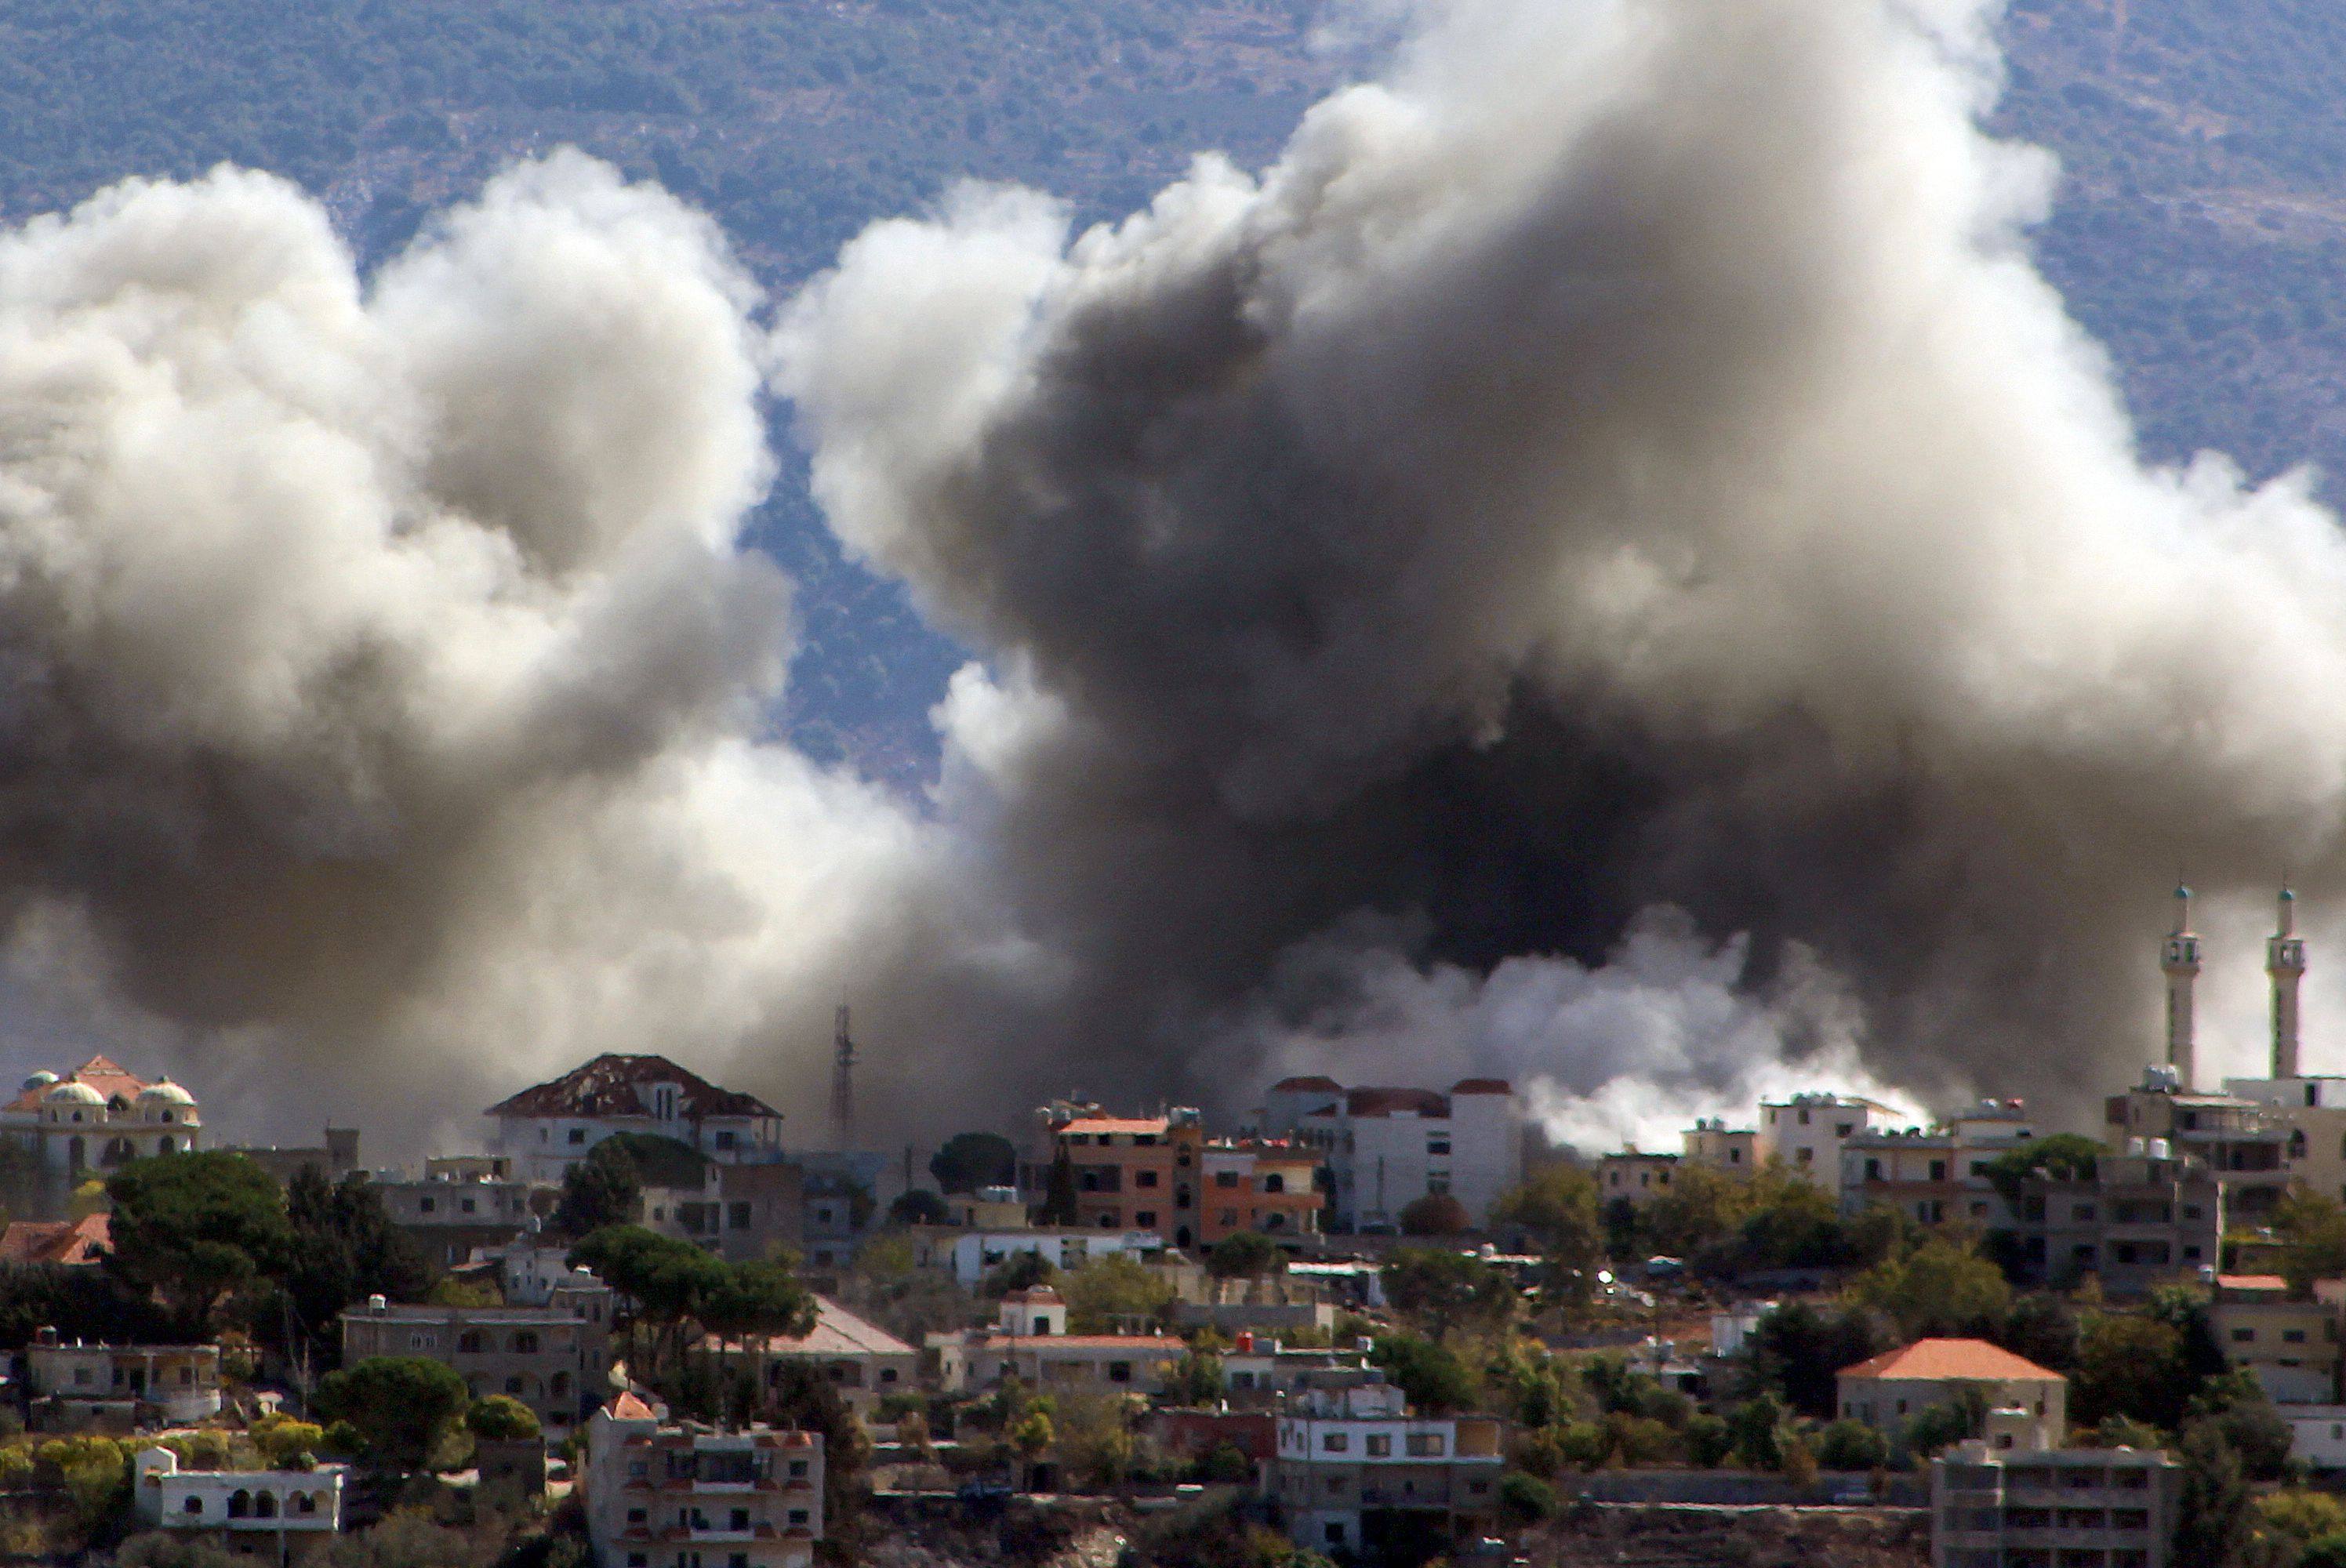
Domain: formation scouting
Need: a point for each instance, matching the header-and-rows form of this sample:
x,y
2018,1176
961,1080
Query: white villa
x,y
98,1116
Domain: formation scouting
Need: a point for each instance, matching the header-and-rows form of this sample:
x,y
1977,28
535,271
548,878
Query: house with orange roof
x,y
85,1123
1888,1390
1122,1172
2288,1343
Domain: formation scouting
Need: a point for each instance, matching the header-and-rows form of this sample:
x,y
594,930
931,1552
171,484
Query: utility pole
x,y
843,1085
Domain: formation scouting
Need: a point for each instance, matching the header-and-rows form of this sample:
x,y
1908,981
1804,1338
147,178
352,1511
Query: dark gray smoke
x,y
1624,457
1605,563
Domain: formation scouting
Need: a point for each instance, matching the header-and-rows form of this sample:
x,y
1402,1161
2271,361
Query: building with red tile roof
x,y
1887,1391
99,1116
61,1243
549,1127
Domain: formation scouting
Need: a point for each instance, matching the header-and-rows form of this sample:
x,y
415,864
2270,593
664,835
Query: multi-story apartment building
x,y
1807,1131
2312,1113
1629,1177
1888,1390
1268,1185
740,1212
549,1127
2009,1500
457,1205
555,1358
77,1387
1735,1150
1387,1147
2144,1218
2290,1345
1355,1471
1128,1173
284,1516
2238,1140
1940,1174
677,1494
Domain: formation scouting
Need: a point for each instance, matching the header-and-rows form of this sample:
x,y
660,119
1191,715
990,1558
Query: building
x,y
2312,1110
1387,1147
530,1272
1939,1175
1030,1342
95,1118
2316,1435
859,1359
2238,1142
2289,1346
1128,1173
1634,1178
740,1212
1807,1131
839,1201
80,1387
969,1256
1888,1390
2009,1500
549,1127
1355,1473
58,1243
1259,1373
1268,1185
1735,1150
677,1494
456,1207
2141,1219
555,1358
334,1158
282,1516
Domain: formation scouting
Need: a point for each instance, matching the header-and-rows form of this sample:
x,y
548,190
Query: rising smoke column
x,y
1623,456
379,678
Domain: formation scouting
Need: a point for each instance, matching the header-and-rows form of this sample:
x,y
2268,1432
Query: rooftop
x,y
68,1243
836,1332
1092,1126
616,1085
1952,1360
108,1078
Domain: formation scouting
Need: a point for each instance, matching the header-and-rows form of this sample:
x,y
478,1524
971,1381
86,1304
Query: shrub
x,y
1526,1499
501,1418
1851,1445
1708,1440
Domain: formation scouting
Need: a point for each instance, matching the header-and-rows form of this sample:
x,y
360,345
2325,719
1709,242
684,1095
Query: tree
x,y
1198,1378
2063,1156
399,1406
1244,1254
1797,1349
1059,1205
1435,1213
2212,1512
603,1190
2237,1406
344,1249
2041,1329
1446,1289
1939,1289
1851,1445
969,1161
2311,1227
1702,1206
2129,1366
1526,1498
1428,1373
501,1418
195,1227
1935,1426
1559,1209
1758,1428
1112,1292
918,1207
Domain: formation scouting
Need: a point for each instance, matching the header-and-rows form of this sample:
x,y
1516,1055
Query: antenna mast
x,y
843,1085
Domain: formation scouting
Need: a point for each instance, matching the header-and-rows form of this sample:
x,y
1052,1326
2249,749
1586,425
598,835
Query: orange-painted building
x,y
1133,1173
1266,1185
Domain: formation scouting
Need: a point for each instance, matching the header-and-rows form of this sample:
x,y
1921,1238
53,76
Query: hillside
x,y
2200,234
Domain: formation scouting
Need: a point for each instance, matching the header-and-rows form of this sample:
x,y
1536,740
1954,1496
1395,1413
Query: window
x,y
634,1516
1144,1179
470,1342
193,1505
1805,1156
1334,1442
525,1343
470,1207
737,1215
1229,1216
1379,1445
1938,1170
724,1140
2243,1336
1119,1371
1426,1445
1147,1216
798,1516
2292,1336
738,1520
1225,1179
514,1386
1843,1129
428,1206
577,1134
1438,1144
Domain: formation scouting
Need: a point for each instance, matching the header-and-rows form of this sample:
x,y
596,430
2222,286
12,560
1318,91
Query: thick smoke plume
x,y
1604,563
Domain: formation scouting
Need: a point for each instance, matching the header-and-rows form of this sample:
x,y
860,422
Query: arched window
x,y
525,1343
558,1384
1274,1182
193,1505
512,1386
470,1342
304,1503
240,1504
77,1151
164,1146
264,1505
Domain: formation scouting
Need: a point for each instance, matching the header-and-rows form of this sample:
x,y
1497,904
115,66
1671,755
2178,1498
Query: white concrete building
x,y
549,1127
1355,1471
1940,1174
120,1387
969,1256
98,1116
1388,1147
669,1494
2317,1434
287,1515
1807,1131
